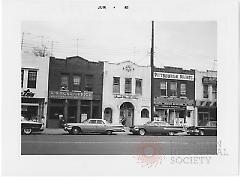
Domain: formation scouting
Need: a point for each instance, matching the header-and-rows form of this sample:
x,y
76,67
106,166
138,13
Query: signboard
x,y
125,96
86,95
173,101
27,93
175,76
209,80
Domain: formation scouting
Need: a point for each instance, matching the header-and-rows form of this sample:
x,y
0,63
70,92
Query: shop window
x,y
128,85
138,89
214,91
32,79
173,88
64,82
163,88
116,84
76,82
183,91
145,113
88,82
205,91
95,112
22,76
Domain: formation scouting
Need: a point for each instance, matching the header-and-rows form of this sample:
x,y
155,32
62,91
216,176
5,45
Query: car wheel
x,y
109,132
27,131
201,133
171,133
75,131
142,132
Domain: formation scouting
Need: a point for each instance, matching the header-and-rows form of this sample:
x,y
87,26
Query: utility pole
x,y
152,72
77,46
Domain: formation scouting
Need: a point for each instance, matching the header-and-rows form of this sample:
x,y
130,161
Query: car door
x,y
100,126
152,127
90,126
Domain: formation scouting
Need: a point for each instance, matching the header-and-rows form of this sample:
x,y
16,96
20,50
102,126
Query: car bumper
x,y
67,129
134,130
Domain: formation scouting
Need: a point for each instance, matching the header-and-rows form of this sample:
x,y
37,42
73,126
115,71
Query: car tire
x,y
171,133
201,133
108,132
75,131
142,132
27,131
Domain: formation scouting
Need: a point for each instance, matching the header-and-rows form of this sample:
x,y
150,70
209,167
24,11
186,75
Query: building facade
x,y
126,93
174,95
75,90
34,86
206,97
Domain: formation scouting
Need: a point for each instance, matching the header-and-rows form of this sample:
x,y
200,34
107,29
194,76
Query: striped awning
x,y
206,103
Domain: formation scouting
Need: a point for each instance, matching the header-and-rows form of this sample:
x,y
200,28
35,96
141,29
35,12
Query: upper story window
x,y
116,84
32,79
183,90
22,76
205,91
76,82
214,91
163,88
128,85
173,88
64,82
138,89
89,82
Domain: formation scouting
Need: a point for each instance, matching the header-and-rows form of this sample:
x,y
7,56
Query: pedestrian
x,y
61,121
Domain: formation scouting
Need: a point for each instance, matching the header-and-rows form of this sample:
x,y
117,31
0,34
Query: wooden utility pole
x,y
152,72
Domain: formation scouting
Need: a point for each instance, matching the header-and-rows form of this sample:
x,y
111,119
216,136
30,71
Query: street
x,y
38,144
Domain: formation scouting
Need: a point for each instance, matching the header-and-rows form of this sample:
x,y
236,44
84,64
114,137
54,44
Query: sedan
x,y
29,126
156,127
93,126
209,129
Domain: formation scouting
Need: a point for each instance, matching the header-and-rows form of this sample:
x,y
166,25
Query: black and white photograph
x,y
141,86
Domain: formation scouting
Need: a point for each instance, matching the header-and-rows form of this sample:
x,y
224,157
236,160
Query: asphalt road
x,y
117,145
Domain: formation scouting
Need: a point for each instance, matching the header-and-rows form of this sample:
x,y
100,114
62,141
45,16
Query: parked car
x,y
29,126
209,129
156,127
93,126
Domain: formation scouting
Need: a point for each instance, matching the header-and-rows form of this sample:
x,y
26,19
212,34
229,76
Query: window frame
x,y
141,82
88,86
181,90
214,92
163,89
61,82
171,91
76,85
130,86
142,113
29,81
205,91
22,77
116,87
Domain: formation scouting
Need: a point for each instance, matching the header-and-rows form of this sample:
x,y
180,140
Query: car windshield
x,y
85,121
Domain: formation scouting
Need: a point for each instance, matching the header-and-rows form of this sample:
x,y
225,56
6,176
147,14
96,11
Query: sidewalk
x,y
60,131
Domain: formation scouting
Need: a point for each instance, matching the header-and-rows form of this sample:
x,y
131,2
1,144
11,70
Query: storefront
x,y
32,108
73,106
175,111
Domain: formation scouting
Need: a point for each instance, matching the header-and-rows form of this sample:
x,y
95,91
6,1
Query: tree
x,y
41,51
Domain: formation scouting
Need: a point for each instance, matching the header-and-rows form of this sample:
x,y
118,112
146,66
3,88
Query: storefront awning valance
x,y
206,103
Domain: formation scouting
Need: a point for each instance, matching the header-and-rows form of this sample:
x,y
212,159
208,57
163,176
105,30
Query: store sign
x,y
125,96
163,75
27,93
86,95
173,101
209,80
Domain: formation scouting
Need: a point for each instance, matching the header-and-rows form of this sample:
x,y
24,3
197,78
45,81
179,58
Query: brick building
x,y
75,90
174,95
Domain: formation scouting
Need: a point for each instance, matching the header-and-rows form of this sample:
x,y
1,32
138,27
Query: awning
x,y
206,103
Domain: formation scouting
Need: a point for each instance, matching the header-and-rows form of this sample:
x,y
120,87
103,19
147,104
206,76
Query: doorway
x,y
127,112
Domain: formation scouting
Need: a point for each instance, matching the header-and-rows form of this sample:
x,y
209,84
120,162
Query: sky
x,y
185,44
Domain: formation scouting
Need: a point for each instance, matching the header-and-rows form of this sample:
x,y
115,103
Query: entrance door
x,y
203,118
127,112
